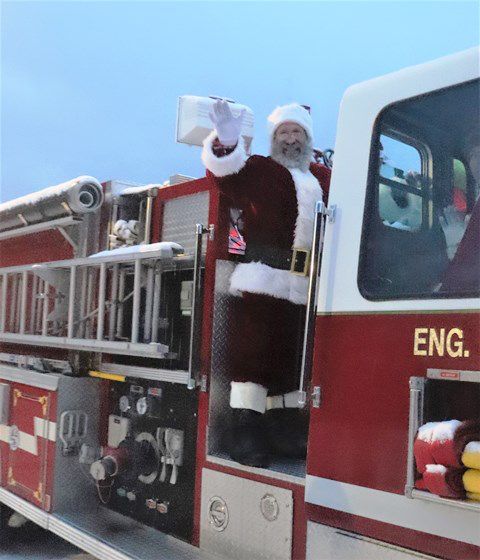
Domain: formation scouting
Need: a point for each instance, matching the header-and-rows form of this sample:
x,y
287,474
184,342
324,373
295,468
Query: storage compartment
x,y
130,214
443,395
243,519
329,543
50,417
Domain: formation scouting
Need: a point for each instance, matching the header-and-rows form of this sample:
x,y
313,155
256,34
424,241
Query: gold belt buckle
x,y
300,262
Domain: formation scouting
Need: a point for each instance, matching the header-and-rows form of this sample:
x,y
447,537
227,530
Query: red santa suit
x,y
278,211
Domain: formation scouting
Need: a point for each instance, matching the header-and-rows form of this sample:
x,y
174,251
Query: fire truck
x,y
116,322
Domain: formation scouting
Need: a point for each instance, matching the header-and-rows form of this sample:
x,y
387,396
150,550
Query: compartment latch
x,y
316,396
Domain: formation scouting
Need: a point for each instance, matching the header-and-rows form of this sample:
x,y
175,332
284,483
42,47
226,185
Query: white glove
x,y
227,126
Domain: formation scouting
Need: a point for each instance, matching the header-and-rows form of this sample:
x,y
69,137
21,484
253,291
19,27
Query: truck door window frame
x,y
422,190
381,276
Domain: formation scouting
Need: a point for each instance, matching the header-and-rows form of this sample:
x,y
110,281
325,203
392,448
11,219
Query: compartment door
x,y
28,443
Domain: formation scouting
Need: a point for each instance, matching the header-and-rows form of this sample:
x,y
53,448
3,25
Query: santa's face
x,y
291,146
290,133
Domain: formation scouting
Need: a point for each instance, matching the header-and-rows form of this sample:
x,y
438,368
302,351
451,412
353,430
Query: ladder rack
x,y
106,303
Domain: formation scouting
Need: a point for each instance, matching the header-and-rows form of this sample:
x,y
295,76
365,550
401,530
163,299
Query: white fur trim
x,y
445,431
438,431
292,399
259,278
309,193
440,469
275,401
288,400
425,432
226,165
298,289
248,395
293,112
472,447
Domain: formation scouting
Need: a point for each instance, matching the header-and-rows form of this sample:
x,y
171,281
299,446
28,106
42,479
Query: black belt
x,y
295,260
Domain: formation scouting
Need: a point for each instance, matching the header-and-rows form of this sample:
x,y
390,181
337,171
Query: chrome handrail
x,y
195,326
415,420
321,214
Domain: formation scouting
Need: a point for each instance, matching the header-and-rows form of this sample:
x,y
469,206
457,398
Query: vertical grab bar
x,y
193,359
415,420
321,213
148,214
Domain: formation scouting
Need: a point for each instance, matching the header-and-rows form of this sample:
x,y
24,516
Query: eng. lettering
x,y
439,342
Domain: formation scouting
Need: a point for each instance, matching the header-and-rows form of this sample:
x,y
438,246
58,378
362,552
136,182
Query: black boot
x,y
246,439
287,430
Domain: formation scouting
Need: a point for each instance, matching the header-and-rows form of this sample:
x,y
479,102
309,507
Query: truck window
x,y
420,235
399,197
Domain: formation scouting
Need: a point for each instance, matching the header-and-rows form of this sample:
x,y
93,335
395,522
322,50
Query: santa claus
x,y
277,195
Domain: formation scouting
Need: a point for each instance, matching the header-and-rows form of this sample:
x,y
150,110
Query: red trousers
x,y
266,341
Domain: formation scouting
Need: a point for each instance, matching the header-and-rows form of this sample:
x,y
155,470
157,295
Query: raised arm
x,y
223,150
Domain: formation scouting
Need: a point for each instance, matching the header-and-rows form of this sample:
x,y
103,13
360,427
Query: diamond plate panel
x,y
180,216
223,332
259,519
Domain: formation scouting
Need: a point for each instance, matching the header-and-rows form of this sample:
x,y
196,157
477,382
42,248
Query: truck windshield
x,y
421,229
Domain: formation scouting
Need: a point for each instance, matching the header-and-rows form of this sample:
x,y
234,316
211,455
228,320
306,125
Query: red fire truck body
x,y
113,377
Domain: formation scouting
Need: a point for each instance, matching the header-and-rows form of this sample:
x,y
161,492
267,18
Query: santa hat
x,y
290,113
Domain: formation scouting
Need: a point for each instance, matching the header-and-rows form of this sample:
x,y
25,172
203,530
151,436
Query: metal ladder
x,y
106,303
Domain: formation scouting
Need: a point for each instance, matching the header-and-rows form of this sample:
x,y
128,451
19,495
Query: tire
x,y
5,513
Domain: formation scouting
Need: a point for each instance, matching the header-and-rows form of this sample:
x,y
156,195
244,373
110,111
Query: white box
x,y
194,124
118,427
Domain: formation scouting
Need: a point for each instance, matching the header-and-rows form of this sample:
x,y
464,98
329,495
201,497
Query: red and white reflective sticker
x,y
450,374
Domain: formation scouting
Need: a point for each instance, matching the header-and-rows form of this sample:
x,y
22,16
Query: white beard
x,y
292,156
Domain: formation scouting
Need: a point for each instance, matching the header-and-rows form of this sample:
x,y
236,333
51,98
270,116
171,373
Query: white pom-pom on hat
x,y
293,112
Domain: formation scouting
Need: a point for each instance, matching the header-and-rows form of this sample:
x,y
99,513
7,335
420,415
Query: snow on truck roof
x,y
119,188
166,248
44,194
138,190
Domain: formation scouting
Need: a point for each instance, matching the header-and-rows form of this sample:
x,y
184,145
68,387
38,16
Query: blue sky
x,y
92,87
